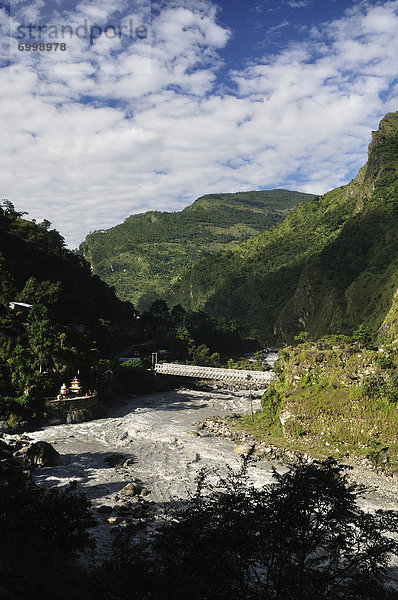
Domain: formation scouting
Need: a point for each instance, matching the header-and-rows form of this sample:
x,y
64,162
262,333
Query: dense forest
x,y
141,256
56,318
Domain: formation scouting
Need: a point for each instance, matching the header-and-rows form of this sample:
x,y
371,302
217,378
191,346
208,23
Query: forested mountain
x,y
65,318
141,256
330,266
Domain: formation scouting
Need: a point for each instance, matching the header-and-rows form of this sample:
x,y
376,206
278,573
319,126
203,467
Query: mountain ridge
x,y
141,256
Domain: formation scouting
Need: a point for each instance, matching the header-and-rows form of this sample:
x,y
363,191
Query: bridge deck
x,y
232,375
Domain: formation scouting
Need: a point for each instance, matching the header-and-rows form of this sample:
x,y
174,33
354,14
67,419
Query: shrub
x,y
365,337
385,362
301,538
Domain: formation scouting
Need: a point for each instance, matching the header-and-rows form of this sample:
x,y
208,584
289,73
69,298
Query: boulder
x,y
4,427
114,460
122,509
113,520
20,453
131,489
136,524
243,449
42,454
5,449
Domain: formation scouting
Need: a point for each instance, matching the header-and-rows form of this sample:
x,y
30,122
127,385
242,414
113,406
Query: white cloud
x,y
276,29
99,132
297,3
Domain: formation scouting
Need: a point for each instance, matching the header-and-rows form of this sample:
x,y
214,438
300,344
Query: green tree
x,y
21,368
302,337
178,314
9,209
200,355
42,337
187,343
214,360
159,311
42,292
7,285
45,224
259,356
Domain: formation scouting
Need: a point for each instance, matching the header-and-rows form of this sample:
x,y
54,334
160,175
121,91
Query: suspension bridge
x,y
214,373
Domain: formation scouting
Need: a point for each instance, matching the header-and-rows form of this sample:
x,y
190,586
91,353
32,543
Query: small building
x,y
19,305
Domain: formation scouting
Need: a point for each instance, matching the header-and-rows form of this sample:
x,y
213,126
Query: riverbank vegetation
x,y
336,396
56,318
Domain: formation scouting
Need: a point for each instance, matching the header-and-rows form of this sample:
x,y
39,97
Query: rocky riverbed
x,y
133,463
379,486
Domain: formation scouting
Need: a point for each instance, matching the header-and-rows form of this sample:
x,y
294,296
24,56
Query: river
x,y
153,430
156,432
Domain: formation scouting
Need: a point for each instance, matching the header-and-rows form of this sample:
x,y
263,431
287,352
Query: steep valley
x,y
329,267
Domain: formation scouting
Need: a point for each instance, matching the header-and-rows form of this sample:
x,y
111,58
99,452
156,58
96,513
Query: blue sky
x,y
262,27
215,97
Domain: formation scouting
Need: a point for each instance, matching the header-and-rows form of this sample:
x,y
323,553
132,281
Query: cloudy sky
x,y
150,105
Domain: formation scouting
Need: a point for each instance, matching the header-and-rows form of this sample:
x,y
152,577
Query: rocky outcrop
x,y
342,365
130,509
133,514
75,410
362,474
42,454
337,397
245,442
5,427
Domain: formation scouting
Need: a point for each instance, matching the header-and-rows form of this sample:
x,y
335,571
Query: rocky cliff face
x,y
353,280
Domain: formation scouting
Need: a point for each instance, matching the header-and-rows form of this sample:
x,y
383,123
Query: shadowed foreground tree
x,y
41,532
300,538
